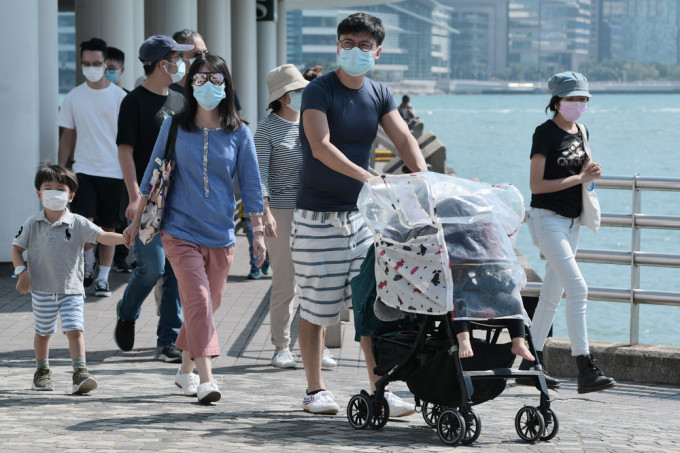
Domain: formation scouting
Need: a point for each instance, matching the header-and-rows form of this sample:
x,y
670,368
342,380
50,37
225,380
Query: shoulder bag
x,y
152,217
590,212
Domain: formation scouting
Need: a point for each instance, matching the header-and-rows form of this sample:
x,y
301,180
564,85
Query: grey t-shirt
x,y
55,251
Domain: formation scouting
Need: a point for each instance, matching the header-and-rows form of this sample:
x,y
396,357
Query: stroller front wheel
x,y
380,416
473,427
359,411
431,413
529,424
451,427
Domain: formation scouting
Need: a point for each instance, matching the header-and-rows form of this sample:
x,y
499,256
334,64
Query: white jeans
x,y
557,238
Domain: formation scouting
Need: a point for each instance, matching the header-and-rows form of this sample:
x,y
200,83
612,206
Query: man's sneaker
x,y
101,288
88,279
327,360
320,403
82,382
42,380
124,334
254,273
187,382
398,407
169,354
284,359
208,392
122,266
266,269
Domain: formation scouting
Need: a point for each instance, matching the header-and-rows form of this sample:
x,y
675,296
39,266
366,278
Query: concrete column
x,y
48,57
168,16
117,20
214,24
281,40
138,37
266,61
244,62
20,124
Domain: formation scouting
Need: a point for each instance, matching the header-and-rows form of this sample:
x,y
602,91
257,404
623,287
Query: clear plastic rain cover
x,y
445,243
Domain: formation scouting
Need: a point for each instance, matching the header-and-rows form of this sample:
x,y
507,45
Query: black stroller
x,y
442,249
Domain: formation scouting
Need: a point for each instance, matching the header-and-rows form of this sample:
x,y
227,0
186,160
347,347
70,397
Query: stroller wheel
x,y
529,424
552,424
359,411
451,426
473,427
380,417
431,413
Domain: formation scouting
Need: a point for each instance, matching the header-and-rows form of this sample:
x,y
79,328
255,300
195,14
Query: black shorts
x,y
98,198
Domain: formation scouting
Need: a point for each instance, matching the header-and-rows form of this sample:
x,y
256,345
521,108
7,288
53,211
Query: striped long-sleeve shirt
x,y
279,156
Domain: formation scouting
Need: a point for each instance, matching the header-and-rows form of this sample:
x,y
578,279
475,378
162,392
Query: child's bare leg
x,y
41,345
520,349
76,343
464,345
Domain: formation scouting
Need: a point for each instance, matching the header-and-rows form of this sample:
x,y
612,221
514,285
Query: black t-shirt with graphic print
x,y
565,156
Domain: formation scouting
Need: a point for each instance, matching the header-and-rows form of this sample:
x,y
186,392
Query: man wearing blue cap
x,y
141,115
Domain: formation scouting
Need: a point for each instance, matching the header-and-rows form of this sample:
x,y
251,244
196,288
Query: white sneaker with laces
x,y
398,407
187,382
321,402
284,359
327,360
208,392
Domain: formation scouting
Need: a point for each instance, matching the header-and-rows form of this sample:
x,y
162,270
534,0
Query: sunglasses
x,y
200,78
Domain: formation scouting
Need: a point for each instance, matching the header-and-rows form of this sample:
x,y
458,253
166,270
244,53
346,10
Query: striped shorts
x,y
46,306
328,249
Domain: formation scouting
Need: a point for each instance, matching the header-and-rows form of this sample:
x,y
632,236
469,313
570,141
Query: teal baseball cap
x,y
566,84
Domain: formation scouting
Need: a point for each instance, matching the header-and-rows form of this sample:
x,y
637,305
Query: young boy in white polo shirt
x,y
54,239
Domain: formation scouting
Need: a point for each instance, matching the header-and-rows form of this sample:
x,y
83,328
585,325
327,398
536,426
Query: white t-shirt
x,y
94,116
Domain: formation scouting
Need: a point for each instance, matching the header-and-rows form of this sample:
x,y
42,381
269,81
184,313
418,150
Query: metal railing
x,y
636,258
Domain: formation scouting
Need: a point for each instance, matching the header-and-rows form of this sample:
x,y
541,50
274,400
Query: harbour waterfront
x,y
489,137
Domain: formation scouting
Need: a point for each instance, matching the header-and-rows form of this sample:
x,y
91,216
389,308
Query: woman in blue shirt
x,y
198,229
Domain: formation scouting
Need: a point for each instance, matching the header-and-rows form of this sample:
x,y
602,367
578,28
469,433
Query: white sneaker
x,y
327,360
208,392
284,359
187,382
398,407
320,403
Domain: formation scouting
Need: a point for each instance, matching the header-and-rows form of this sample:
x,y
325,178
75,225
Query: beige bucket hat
x,y
283,79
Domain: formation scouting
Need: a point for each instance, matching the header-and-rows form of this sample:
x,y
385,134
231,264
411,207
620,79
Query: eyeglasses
x,y
96,64
216,78
364,46
199,53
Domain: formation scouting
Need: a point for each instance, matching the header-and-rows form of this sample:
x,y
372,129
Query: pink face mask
x,y
571,111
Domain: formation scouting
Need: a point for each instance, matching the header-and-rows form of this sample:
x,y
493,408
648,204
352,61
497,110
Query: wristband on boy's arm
x,y
18,270
257,229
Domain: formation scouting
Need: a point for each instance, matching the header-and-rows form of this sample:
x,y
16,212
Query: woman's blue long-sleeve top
x,y
200,206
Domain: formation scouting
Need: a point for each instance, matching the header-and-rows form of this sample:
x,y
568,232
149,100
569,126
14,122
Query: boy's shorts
x,y
328,249
45,309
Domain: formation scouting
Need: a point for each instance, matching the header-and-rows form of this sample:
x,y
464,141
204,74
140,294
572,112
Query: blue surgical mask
x,y
295,100
355,61
112,75
181,70
208,95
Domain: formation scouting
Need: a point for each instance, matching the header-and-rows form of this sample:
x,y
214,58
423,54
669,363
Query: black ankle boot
x,y
550,381
590,378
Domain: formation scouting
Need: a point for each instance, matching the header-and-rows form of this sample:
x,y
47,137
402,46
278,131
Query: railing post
x,y
634,268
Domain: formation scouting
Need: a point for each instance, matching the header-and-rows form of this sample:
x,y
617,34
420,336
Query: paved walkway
x,y
138,408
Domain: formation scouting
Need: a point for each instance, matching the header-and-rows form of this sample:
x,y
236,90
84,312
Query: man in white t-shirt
x,y
89,118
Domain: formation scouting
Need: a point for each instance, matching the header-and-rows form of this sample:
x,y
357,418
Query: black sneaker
x,y
88,279
122,266
124,335
169,354
82,382
42,380
101,288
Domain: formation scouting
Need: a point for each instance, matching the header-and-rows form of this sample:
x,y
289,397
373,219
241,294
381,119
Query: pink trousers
x,y
201,279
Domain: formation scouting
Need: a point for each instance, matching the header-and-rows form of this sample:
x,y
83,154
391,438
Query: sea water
x,y
489,137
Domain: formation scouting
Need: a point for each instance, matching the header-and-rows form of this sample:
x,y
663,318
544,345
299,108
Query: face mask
x,y
208,95
295,100
93,74
356,62
181,70
571,111
54,200
112,75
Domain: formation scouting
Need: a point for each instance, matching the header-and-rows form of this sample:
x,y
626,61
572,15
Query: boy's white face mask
x,y
55,200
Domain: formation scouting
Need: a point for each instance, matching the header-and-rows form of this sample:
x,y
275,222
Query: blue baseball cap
x,y
157,46
567,84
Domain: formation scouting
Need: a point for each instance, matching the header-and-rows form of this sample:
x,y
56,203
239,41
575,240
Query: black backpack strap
x,y
172,137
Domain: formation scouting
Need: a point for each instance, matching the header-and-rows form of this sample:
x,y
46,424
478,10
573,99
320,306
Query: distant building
x,y
67,51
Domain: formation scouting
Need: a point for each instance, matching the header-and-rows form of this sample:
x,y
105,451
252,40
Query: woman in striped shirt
x,y
280,157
